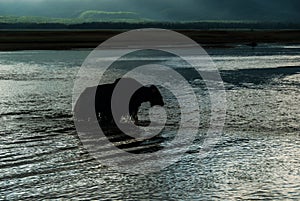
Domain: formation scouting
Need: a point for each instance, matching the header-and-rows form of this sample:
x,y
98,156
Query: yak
x,y
102,95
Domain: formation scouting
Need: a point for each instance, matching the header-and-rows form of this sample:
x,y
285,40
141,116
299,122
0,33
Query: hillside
x,y
88,21
97,15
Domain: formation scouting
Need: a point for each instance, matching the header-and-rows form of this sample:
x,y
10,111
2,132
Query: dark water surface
x,y
257,157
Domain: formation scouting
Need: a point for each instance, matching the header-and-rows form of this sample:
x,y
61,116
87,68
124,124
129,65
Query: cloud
x,y
283,10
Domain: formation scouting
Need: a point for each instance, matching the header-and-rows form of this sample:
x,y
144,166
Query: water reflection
x,y
41,156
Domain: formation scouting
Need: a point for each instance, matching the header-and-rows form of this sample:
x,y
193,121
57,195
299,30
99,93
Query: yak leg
x,y
134,116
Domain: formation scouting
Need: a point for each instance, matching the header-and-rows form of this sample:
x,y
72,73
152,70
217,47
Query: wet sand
x,y
76,39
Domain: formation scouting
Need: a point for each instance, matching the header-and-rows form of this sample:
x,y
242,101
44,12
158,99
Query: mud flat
x,y
77,39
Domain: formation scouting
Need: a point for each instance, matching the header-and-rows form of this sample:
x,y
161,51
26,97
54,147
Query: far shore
x,y
13,40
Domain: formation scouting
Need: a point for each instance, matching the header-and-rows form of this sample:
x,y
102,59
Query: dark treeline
x,y
164,25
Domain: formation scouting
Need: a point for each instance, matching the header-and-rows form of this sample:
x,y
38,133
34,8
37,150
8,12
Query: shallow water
x,y
41,155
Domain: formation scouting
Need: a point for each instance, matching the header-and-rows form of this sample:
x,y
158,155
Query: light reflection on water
x,y
41,155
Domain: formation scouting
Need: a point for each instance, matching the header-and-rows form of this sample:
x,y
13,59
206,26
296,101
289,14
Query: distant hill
x,y
86,17
33,22
107,16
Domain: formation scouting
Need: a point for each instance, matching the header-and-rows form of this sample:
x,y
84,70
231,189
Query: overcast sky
x,y
264,10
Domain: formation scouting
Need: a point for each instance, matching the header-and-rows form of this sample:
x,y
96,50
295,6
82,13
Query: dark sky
x,y
262,10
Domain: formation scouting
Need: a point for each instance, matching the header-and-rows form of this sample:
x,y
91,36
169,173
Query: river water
x,y
257,157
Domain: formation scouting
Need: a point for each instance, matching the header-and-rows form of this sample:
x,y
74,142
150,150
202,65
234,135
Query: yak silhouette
x,y
103,94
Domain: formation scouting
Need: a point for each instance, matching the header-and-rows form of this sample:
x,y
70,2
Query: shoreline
x,y
12,40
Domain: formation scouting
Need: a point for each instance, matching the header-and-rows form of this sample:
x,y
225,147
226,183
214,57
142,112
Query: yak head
x,y
155,97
